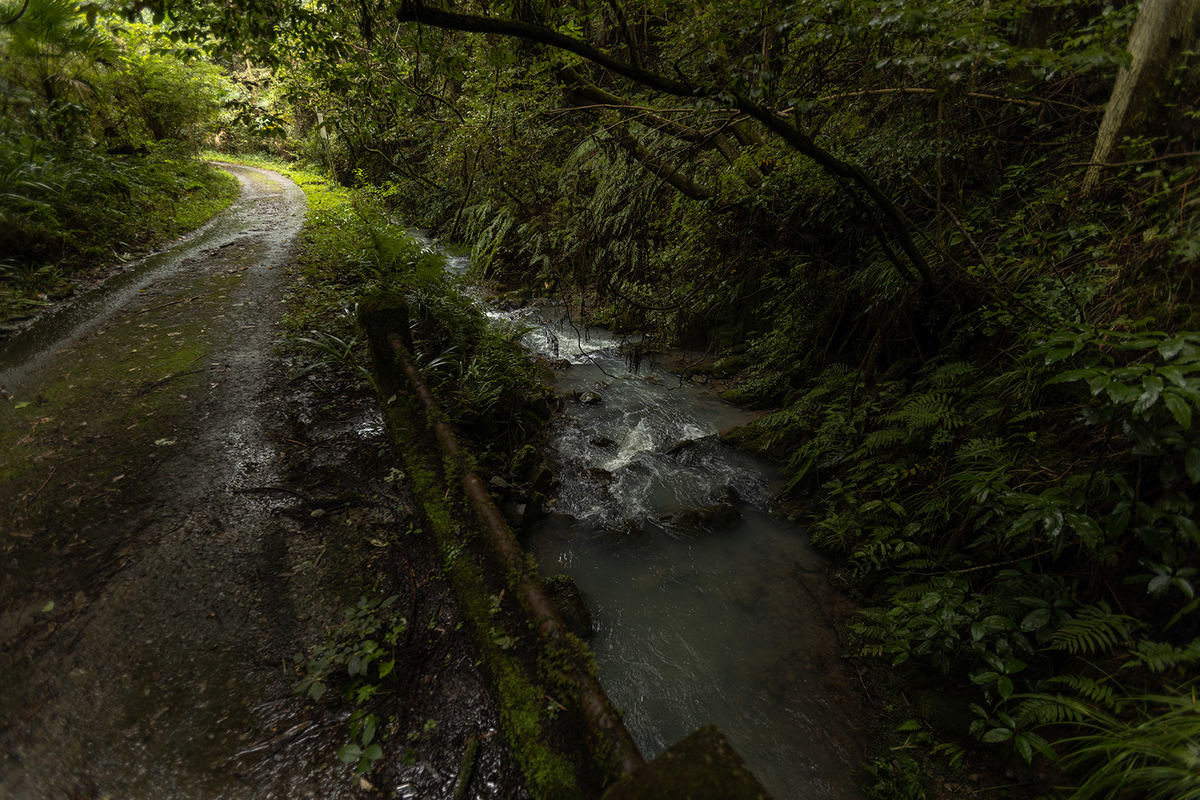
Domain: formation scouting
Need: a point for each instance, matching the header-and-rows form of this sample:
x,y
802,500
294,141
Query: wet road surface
x,y
151,589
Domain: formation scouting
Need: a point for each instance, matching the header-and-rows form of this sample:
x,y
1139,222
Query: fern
x,y
1163,656
1042,709
1096,692
927,411
1094,629
883,438
954,374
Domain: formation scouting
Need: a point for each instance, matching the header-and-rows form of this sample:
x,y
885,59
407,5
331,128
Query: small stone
x,y
590,398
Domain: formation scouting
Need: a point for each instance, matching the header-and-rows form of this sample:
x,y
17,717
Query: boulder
x,y
590,398
523,461
542,479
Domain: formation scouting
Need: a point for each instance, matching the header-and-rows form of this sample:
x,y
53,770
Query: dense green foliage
x,y
98,120
983,383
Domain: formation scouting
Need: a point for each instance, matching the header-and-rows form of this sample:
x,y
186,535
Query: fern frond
x,y
1043,709
1094,629
1102,694
1162,656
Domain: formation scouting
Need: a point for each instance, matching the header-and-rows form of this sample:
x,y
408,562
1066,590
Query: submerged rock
x,y
602,441
622,533
706,518
680,446
704,765
727,495
597,474
570,604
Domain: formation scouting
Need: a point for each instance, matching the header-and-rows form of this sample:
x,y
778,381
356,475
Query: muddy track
x,y
177,519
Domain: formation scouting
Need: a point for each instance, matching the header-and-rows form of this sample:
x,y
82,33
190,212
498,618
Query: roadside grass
x,y
349,252
68,215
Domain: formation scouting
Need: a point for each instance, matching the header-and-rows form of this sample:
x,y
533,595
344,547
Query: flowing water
x,y
727,621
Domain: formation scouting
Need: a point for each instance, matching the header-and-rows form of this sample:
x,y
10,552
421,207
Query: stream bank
x,y
707,606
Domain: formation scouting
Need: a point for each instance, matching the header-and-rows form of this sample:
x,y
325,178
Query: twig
x,y
33,496
1167,157
466,768
171,376
987,263
985,566
979,95
173,302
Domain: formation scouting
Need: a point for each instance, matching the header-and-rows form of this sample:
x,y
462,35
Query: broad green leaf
x,y
1180,409
1035,619
1024,747
350,753
1188,526
368,731
374,752
1169,348
998,735
1192,463
1153,388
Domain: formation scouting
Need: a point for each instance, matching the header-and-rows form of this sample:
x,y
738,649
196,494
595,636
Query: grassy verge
x,y
67,215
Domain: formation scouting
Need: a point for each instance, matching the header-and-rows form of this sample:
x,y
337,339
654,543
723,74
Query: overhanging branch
x,y
415,11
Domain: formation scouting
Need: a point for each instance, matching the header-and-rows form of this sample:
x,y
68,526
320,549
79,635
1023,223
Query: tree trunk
x,y
1163,31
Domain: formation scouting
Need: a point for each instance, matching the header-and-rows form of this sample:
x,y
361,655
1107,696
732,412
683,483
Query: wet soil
x,y
178,518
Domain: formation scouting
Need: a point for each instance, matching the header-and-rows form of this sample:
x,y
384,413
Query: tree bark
x,y
713,138
671,175
1164,29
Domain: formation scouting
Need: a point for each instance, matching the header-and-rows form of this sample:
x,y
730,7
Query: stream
x,y
729,621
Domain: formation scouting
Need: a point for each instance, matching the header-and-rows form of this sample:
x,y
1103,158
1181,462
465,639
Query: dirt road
x,y
177,519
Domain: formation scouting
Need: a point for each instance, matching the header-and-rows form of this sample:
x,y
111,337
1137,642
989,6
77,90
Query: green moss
x,y
522,701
